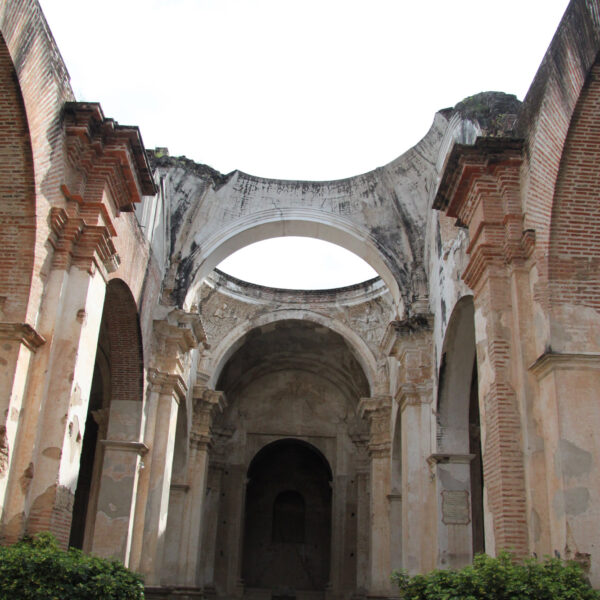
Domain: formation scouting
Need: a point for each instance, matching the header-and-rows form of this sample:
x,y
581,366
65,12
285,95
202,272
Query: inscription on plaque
x,y
455,507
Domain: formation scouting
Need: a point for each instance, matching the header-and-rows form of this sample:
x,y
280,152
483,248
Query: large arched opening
x,y
287,524
283,223
284,485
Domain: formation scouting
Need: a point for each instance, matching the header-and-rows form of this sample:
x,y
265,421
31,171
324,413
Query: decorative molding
x,y
81,234
105,155
180,487
398,331
125,446
444,459
377,410
551,361
168,384
22,333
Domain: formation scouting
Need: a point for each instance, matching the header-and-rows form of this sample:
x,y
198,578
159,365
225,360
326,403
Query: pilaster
x,y
410,344
206,403
377,411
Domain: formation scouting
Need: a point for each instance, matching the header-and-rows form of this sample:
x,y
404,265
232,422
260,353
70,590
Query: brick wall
x,y
17,196
574,264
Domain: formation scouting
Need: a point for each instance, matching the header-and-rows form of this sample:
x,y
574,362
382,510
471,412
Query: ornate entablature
x,y
103,155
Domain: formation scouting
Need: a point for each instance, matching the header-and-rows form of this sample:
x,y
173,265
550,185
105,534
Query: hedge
x,y
38,569
501,578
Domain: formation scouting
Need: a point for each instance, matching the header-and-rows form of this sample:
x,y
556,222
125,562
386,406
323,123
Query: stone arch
x,y
291,553
236,337
458,457
574,254
113,423
293,222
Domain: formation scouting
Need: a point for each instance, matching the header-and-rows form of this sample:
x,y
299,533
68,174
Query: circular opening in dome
x,y
297,263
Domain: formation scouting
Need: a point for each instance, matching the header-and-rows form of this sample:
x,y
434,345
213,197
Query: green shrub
x,y
38,569
499,579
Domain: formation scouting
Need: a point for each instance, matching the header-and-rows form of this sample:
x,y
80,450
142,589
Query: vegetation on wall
x,y
500,578
38,569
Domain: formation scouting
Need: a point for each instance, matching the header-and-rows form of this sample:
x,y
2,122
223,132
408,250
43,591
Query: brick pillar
x,y
481,189
377,411
409,342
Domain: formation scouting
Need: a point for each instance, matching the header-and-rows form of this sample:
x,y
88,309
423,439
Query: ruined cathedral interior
x,y
231,440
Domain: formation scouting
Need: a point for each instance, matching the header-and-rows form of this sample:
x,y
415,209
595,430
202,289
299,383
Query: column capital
x,y
377,410
399,334
206,403
167,384
176,333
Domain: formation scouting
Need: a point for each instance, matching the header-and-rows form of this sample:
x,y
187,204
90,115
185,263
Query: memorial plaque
x,y
455,507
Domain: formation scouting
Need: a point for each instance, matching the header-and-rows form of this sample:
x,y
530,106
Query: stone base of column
x,y
173,593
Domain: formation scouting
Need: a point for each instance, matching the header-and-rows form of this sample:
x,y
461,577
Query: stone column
x,y
176,336
410,343
363,518
166,392
205,404
210,526
377,411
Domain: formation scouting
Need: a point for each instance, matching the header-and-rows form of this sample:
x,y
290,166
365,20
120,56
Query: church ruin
x,y
231,440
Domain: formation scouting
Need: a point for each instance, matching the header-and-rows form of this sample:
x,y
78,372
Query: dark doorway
x,y
287,532
84,496
476,467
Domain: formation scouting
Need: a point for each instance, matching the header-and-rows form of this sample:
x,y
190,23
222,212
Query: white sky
x,y
295,89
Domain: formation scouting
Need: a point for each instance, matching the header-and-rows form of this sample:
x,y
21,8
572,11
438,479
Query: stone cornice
x,y
552,361
104,154
22,333
466,162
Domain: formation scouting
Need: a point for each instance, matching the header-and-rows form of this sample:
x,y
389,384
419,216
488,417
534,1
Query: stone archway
x,y
459,461
287,525
108,464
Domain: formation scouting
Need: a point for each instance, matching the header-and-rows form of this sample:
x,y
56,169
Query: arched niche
x,y
458,458
107,471
287,525
288,222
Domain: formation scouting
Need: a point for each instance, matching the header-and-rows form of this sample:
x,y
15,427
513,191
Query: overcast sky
x,y
308,89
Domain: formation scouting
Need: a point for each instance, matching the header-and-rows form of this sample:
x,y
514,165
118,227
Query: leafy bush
x,y
499,579
38,569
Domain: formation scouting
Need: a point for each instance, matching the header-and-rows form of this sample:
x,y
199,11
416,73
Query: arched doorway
x,y
459,464
287,531
108,466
